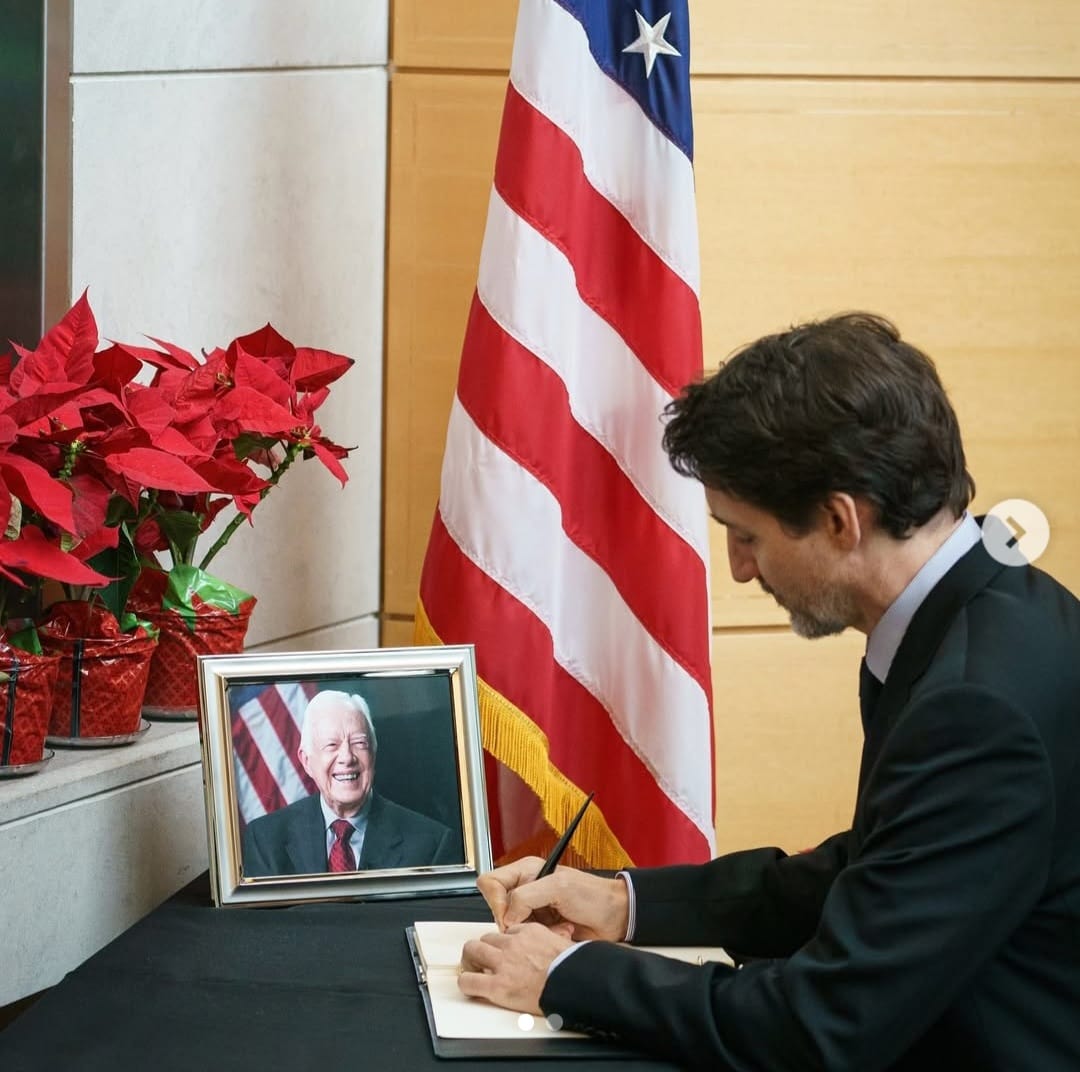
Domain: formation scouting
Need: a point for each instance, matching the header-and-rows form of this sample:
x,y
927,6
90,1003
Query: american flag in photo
x,y
266,724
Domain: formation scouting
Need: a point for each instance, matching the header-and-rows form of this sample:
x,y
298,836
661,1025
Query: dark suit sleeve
x,y
959,822
761,903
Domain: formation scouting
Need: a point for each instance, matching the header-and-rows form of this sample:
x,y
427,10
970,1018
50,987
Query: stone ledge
x,y
128,824
75,774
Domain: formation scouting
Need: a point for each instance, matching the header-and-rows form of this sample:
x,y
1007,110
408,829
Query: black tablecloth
x,y
192,987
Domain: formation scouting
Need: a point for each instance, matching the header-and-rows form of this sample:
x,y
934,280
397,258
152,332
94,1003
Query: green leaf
x,y
119,510
121,562
247,443
26,639
181,527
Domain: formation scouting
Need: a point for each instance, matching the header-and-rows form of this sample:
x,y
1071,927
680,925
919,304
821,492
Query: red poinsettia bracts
x,y
249,409
99,469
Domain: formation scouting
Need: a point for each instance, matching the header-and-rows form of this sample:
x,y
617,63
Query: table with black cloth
x,y
194,987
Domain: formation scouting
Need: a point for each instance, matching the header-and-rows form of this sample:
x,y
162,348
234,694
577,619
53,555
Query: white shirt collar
x,y
359,820
884,641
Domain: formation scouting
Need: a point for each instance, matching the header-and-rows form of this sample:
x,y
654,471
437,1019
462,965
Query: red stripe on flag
x,y
284,725
247,751
539,174
520,404
509,639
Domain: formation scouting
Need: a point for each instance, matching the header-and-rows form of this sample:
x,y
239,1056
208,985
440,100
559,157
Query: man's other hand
x,y
510,968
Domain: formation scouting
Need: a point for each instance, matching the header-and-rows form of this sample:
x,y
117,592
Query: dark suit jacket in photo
x,y
292,840
942,931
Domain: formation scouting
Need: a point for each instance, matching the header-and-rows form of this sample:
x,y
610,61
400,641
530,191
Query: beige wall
x,y
926,167
198,214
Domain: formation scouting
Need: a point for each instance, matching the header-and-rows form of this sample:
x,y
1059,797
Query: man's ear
x,y
303,757
847,519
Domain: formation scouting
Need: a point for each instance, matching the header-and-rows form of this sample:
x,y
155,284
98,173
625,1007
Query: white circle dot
x,y
1015,532
526,1021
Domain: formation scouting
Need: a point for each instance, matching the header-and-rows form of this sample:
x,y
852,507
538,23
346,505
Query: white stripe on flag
x,y
247,800
611,395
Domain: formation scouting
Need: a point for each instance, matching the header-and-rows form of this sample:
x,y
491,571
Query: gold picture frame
x,y
425,823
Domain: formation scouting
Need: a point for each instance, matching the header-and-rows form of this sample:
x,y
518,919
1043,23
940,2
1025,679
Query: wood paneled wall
x,y
922,161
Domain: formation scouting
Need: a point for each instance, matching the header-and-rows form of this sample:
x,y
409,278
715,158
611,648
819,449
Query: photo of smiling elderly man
x,y
345,825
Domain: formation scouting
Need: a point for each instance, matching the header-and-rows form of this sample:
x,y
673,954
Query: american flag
x,y
266,721
564,546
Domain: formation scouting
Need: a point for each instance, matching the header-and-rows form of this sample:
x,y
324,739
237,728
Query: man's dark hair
x,y
837,405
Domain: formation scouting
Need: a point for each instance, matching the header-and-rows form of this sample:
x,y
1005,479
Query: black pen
x,y
560,846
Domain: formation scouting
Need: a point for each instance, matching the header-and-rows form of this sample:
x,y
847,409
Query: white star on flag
x,y
650,41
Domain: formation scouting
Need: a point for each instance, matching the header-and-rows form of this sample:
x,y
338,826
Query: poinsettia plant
x,y
233,424
102,471
55,521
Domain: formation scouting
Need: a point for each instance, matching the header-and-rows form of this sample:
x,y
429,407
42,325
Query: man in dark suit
x,y
345,826
942,931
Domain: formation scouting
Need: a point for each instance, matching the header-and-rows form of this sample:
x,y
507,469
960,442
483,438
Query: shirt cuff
x,y
631,904
564,954
631,923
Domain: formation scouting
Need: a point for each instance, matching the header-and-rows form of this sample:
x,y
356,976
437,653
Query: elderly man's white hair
x,y
325,701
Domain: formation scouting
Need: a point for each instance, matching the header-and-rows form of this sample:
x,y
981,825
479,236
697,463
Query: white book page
x,y
440,943
459,1017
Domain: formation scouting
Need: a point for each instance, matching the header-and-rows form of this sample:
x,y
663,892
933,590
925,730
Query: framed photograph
x,y
342,775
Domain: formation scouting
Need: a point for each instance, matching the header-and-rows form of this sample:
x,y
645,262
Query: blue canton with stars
x,y
664,94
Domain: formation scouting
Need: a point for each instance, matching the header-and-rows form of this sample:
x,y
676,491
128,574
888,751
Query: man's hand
x,y
572,902
510,968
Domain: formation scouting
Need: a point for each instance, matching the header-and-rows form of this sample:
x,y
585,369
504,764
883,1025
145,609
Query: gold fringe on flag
x,y
516,741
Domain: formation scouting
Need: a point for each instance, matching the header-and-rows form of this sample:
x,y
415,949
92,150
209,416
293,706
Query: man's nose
x,y
741,561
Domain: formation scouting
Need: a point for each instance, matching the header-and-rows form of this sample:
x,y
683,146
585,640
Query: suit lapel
x,y
382,839
305,843
923,638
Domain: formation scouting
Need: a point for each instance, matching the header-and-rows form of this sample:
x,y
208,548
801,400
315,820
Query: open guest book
x,y
471,1027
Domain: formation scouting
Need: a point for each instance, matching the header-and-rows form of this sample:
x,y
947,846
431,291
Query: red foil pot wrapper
x,y
26,696
102,672
195,614
173,686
